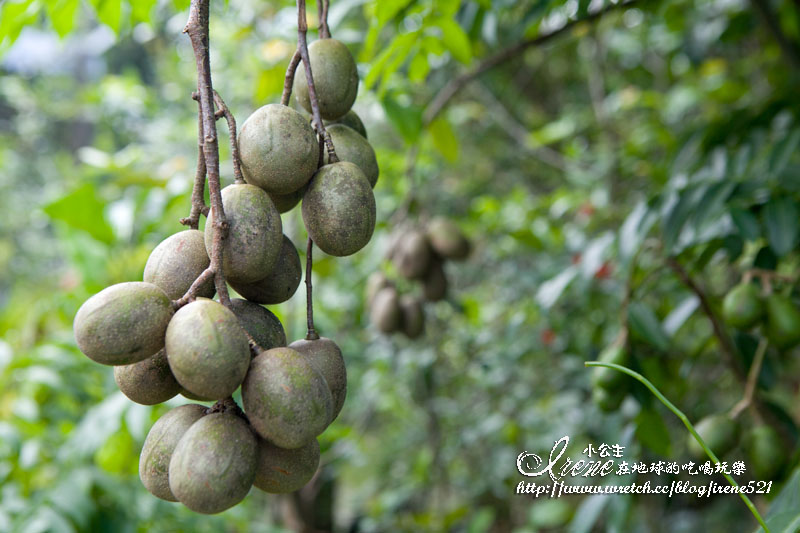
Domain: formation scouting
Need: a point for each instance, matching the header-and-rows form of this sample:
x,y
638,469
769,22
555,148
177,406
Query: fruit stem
x,y
752,379
322,12
197,30
199,206
288,80
312,333
683,418
223,111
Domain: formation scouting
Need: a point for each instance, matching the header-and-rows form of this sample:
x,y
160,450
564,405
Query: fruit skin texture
x,y
767,452
434,286
123,324
385,312
278,149
147,382
335,79
286,399
286,202
326,357
260,323
176,262
413,318
351,120
207,349
159,445
742,306
720,434
339,209
214,464
186,394
608,378
254,236
412,255
279,471
281,283
447,240
350,146
783,322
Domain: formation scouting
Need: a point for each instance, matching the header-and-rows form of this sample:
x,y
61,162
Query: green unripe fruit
x,y
447,240
123,324
351,120
350,146
335,79
278,149
326,357
214,464
412,255
375,282
260,323
767,452
147,382
251,248
742,307
207,349
783,322
719,432
413,316
282,281
286,399
434,285
339,209
177,262
608,378
608,400
385,313
159,445
280,471
286,202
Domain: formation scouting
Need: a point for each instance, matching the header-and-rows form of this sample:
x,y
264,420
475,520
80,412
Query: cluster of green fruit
x,y
208,459
744,308
418,255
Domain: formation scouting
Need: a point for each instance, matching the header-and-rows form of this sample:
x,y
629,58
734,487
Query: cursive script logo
x,y
568,467
523,460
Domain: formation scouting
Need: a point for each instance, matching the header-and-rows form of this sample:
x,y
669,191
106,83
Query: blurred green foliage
x,y
662,130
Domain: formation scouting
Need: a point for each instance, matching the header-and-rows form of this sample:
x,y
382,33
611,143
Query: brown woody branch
x,y
223,111
199,206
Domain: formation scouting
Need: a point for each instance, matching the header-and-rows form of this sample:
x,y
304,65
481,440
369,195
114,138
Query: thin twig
x,y
198,201
197,30
288,80
752,379
450,89
312,333
223,111
191,294
325,31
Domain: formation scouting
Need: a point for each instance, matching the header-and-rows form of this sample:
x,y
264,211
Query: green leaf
x,y
141,10
82,209
406,119
747,223
444,138
419,67
782,152
109,12
456,40
13,17
652,432
62,15
780,219
677,216
386,10
646,327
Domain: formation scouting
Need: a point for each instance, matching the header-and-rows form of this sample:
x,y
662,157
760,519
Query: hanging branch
x,y
197,30
288,81
199,206
312,333
322,13
223,111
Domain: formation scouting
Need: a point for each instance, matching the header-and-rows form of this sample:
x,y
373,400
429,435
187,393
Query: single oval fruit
x,y
447,240
434,286
339,209
286,202
159,445
351,120
188,395
350,146
386,313
280,471
147,382
286,399
177,262
251,248
375,282
783,322
207,349
281,283
608,378
278,149
412,255
335,79
260,323
719,432
123,324
214,464
325,356
413,316
742,307
767,452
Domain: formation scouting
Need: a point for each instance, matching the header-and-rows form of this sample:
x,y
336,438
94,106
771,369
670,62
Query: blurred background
x,y
595,171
